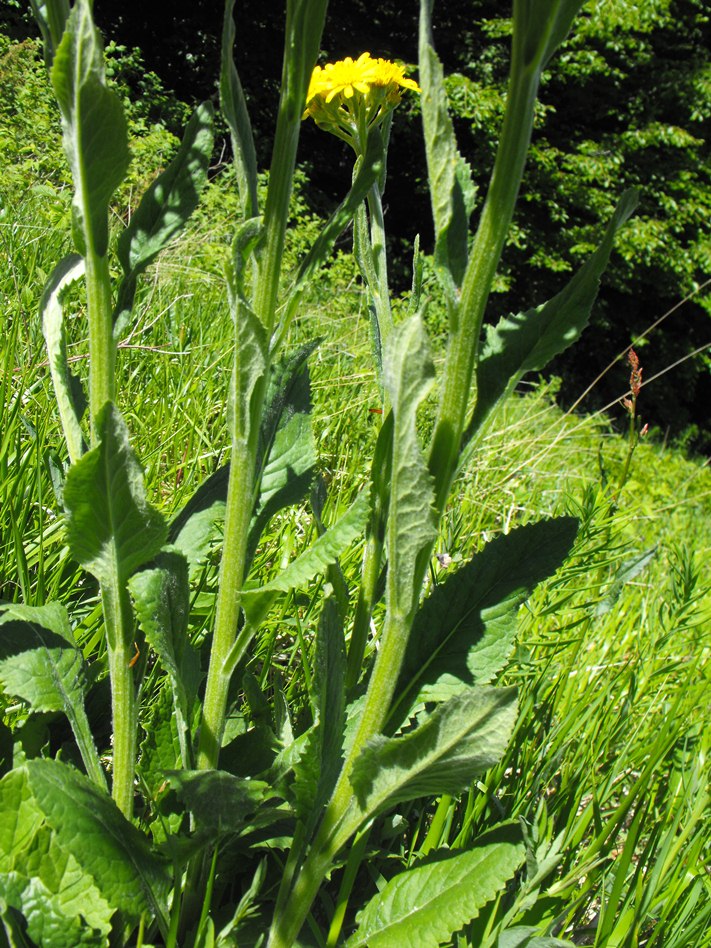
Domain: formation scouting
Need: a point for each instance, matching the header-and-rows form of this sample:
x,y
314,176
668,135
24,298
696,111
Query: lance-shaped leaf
x,y
161,598
459,740
167,204
234,109
451,187
408,372
111,527
527,342
316,559
94,128
67,387
539,31
114,856
40,663
464,631
428,903
317,769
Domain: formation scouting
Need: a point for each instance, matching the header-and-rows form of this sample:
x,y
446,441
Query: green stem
x,y
117,618
380,288
496,216
232,568
102,347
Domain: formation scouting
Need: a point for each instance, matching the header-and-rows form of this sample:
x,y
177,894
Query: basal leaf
x,y
424,906
451,187
71,268
94,128
464,631
111,527
408,372
87,825
60,903
234,109
457,741
167,204
40,663
218,800
527,342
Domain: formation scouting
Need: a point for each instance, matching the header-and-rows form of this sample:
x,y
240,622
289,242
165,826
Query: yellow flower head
x,y
348,96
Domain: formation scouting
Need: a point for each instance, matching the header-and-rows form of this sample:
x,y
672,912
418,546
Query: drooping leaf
x,y
112,854
459,740
111,527
167,204
94,128
408,372
66,386
527,342
451,187
40,663
218,800
424,906
464,631
301,571
234,109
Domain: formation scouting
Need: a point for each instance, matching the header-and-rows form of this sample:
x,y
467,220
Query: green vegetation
x,y
591,824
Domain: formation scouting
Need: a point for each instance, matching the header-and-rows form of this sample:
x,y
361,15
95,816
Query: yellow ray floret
x,y
340,81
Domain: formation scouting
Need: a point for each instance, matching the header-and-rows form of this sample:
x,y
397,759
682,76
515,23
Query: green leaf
x,y
40,663
464,631
459,740
408,372
424,906
523,936
539,31
167,204
234,109
161,598
194,528
94,127
112,854
451,188
111,528
66,386
218,800
527,342
59,902
51,17
316,559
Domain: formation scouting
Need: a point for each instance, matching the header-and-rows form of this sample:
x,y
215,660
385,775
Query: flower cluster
x,y
349,96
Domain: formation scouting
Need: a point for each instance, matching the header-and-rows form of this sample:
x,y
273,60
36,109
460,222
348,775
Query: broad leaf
x,y
464,631
67,387
527,342
218,800
451,187
51,17
94,128
234,109
167,204
443,754
316,559
408,372
194,528
111,527
424,906
112,854
60,903
40,663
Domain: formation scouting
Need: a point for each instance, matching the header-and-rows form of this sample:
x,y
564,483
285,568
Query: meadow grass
x,y
608,766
